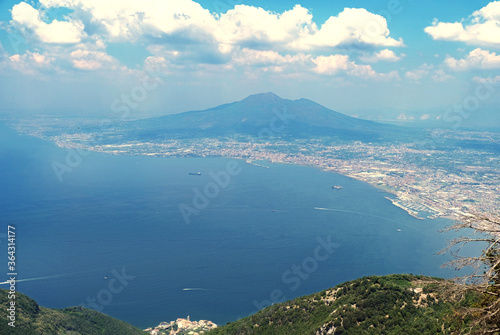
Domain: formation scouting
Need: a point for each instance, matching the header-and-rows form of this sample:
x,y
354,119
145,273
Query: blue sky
x,y
412,60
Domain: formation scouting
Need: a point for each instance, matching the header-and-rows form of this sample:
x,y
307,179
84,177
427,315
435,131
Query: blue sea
x,y
112,234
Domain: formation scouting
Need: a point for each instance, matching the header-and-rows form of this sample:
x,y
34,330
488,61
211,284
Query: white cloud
x,y
161,50
93,60
446,31
426,70
416,75
353,25
487,80
335,64
272,61
401,116
267,57
383,55
440,76
483,27
59,61
295,29
157,64
187,36
29,63
425,117
340,63
476,59
129,20
422,72
245,24
61,32
490,11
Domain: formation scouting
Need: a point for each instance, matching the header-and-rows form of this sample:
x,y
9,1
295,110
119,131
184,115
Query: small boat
x,y
195,173
335,187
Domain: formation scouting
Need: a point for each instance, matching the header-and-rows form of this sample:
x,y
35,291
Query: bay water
x,y
142,240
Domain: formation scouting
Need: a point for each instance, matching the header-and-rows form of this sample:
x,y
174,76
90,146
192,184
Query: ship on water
x,y
195,173
335,187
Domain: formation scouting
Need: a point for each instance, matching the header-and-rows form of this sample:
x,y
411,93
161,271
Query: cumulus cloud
x,y
57,60
93,60
476,59
417,74
273,61
182,34
487,80
335,64
440,76
483,27
29,63
61,32
247,24
383,55
157,64
426,70
294,29
404,117
267,57
352,26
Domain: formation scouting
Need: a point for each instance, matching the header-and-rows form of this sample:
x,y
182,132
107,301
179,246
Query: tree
x,y
485,278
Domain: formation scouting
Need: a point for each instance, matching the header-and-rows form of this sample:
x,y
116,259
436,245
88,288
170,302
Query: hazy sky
x,y
389,59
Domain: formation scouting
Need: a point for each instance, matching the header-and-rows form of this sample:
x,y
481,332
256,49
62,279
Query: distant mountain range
x,y
264,115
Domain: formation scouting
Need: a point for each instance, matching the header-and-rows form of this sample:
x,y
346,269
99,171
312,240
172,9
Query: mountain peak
x,y
260,97
297,118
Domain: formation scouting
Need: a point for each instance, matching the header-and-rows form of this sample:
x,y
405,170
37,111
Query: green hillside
x,y
394,304
34,319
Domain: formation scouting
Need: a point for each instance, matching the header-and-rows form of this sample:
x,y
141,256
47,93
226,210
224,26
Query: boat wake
x,y
30,279
256,164
194,289
354,212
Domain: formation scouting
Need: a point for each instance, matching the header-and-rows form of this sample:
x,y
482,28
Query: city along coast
x,y
428,179
425,181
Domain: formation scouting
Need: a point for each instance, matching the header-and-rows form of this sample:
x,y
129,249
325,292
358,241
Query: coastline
x,y
396,203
